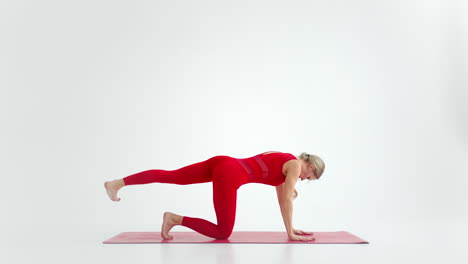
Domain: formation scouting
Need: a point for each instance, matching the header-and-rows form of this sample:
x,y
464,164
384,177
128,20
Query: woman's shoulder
x,y
290,163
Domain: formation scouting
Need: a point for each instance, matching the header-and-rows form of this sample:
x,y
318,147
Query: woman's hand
x,y
295,237
300,232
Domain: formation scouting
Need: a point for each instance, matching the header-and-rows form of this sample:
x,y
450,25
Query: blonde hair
x,y
316,161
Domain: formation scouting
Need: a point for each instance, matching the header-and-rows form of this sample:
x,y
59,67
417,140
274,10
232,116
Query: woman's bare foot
x,y
169,221
112,187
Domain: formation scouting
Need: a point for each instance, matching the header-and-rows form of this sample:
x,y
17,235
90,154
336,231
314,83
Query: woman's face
x,y
308,172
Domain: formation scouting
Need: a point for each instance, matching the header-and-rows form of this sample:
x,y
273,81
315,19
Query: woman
x,y
228,174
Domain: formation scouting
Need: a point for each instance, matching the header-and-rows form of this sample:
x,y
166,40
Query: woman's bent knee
x,y
224,234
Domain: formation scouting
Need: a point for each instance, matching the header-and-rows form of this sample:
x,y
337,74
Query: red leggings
x,y
227,176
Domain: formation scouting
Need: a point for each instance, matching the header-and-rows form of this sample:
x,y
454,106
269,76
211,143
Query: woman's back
x,y
266,168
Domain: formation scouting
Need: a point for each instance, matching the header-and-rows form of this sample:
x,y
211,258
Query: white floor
x,y
431,244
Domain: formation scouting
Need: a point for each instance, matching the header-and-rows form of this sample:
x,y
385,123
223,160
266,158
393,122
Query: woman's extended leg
x,y
196,173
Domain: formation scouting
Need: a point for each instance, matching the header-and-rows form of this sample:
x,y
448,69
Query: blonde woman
x,y
227,174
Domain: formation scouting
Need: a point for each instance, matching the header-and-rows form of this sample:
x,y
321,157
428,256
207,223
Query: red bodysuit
x,y
227,174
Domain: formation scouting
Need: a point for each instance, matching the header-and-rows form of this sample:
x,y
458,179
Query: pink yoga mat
x,y
340,237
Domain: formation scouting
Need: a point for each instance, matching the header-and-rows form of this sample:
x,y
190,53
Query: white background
x,y
98,90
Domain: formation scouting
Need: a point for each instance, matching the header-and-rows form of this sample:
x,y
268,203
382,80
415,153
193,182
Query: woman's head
x,y
315,163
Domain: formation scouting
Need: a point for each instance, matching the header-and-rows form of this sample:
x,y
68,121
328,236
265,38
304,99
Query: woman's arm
x,y
285,199
279,194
